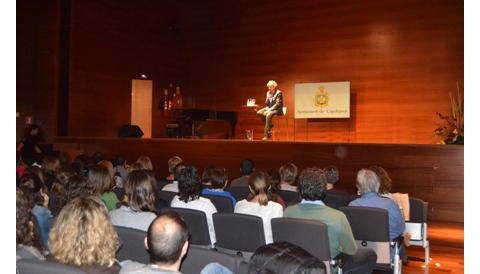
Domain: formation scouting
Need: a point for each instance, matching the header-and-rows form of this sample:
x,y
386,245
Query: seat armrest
x,y
397,241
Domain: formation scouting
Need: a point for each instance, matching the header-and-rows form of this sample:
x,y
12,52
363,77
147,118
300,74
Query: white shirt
x,y
202,204
173,187
267,212
126,217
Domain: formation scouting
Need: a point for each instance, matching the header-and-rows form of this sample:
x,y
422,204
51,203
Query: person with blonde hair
x,y
259,205
288,173
274,106
145,160
170,183
83,237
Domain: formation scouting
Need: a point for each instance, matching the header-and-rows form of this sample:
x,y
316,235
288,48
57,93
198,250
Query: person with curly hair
x,y
138,209
189,186
28,246
83,237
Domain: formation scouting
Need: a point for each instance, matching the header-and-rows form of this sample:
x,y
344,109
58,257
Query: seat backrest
x,y
335,200
370,227
418,210
239,192
240,232
222,204
167,196
196,221
132,245
197,258
299,232
290,197
33,266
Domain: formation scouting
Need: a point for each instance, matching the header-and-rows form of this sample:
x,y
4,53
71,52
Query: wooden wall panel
x,y
433,173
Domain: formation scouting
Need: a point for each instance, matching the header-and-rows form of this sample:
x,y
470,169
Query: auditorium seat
x,y
370,227
222,204
196,221
167,196
197,258
290,197
33,266
132,245
417,225
335,200
238,233
239,192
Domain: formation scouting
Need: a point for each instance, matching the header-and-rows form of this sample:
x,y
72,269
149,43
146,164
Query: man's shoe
x,y
265,138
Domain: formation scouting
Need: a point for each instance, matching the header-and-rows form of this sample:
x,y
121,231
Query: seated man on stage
x,y
274,106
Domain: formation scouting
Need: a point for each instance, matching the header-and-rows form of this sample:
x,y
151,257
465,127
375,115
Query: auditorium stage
x,y
433,173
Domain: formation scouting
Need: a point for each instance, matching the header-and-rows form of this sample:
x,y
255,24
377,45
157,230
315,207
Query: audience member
x,y
102,183
170,183
274,191
216,183
312,188
335,197
76,186
28,146
368,185
167,243
32,186
121,167
83,237
259,184
288,173
159,203
97,157
50,166
145,160
138,211
284,258
189,186
28,246
246,168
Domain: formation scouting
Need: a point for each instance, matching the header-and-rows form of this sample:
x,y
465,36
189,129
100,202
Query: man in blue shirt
x,y
215,183
368,184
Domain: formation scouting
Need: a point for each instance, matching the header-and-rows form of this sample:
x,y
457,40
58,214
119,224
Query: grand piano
x,y
202,123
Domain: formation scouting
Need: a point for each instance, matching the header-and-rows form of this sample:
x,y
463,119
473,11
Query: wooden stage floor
x,y
446,251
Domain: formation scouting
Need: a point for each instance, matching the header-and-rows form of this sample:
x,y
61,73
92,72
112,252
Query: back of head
x,y
173,162
33,187
50,164
189,185
274,180
284,258
247,166
118,160
331,172
218,177
77,186
25,233
312,184
97,157
288,173
109,166
206,174
385,180
166,237
83,235
140,192
145,160
100,179
259,183
367,181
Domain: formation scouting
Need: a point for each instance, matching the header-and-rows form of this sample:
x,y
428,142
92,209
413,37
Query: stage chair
x,y
417,226
167,196
239,234
196,221
132,245
33,266
370,227
290,197
197,258
276,130
222,204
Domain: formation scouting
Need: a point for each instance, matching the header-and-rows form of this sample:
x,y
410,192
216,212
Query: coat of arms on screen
x,y
321,97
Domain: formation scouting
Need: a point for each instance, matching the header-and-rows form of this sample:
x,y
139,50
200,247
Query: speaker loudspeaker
x,y
129,131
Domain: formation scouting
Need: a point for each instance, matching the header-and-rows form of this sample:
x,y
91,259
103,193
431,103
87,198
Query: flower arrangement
x,y
452,132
